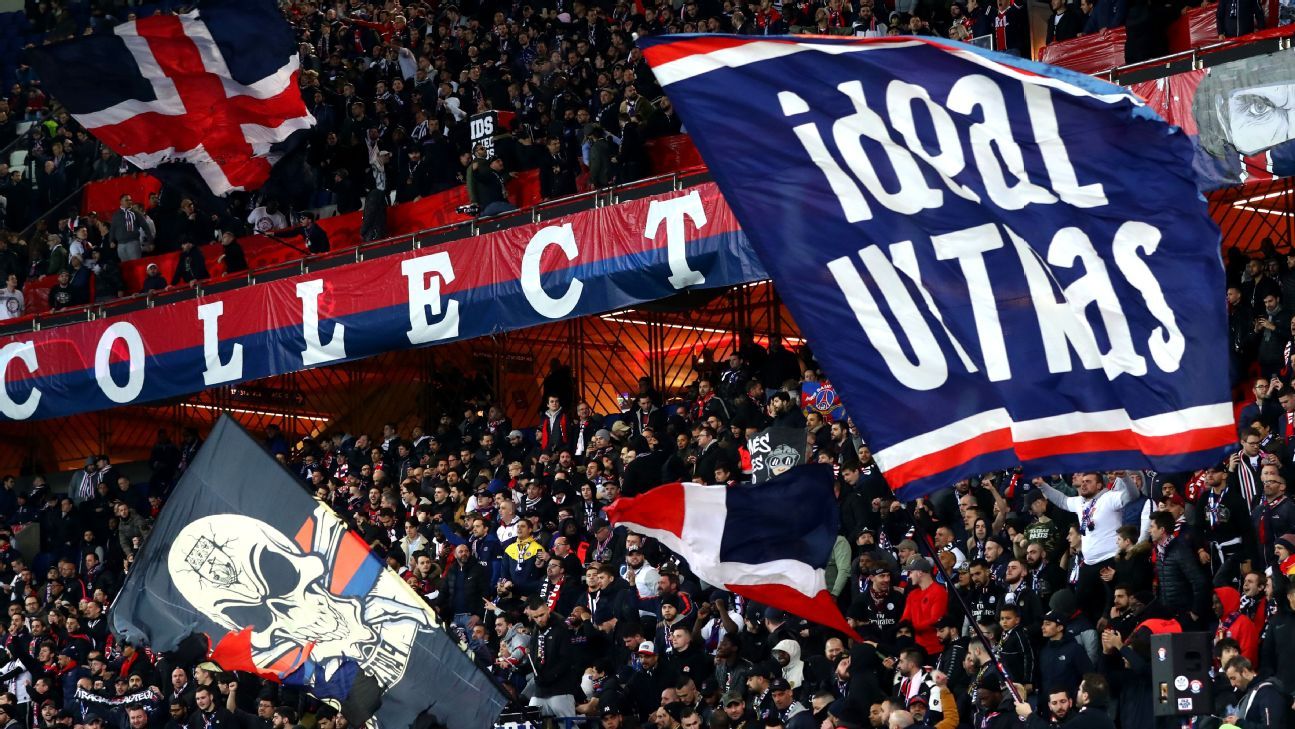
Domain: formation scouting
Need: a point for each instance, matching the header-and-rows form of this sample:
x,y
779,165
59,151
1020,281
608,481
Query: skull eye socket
x,y
250,616
280,574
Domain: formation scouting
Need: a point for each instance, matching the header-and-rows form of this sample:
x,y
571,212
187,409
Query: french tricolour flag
x,y
767,542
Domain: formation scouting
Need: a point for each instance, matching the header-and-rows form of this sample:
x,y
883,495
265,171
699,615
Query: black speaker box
x,y
1180,673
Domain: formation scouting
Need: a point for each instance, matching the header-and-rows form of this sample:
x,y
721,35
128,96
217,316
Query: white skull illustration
x,y
242,572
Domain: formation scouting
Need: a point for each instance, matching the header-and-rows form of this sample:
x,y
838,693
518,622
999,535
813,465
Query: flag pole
x,y
928,545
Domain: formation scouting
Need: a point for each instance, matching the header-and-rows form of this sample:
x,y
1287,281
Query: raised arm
x,y
1059,499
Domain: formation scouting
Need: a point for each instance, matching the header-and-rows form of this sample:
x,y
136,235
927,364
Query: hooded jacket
x,y
794,671
1233,623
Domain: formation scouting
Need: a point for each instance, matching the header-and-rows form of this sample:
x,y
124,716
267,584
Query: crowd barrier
x,y
1103,51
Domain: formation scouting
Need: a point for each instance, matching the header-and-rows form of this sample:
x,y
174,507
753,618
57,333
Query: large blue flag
x,y
997,262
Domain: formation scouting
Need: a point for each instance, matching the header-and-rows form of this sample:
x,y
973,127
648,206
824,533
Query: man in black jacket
x,y
191,266
1066,22
1239,17
316,237
1092,699
1181,584
1274,515
1262,702
1279,632
554,667
463,588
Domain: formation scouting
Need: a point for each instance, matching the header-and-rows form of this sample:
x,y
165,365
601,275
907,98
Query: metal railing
x,y
1196,58
404,243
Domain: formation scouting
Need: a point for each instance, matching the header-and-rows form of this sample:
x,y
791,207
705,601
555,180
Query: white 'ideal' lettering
x,y
977,109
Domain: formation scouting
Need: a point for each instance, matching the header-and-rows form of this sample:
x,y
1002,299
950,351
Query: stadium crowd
x,y
392,86
503,532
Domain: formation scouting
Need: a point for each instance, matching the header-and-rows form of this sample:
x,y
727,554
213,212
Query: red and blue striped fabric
x,y
768,542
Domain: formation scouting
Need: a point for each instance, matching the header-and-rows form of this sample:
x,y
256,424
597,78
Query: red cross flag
x,y
215,88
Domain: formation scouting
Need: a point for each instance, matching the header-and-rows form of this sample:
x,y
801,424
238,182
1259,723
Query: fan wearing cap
x,y
610,716
639,573
996,709
647,680
926,603
784,704
735,708
1062,661
514,447
757,687
1225,515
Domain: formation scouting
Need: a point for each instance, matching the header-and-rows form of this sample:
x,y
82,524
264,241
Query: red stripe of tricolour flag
x,y
689,519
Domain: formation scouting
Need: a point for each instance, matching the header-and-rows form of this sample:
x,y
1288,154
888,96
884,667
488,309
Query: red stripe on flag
x,y
661,508
1190,441
939,462
820,608
667,52
1162,445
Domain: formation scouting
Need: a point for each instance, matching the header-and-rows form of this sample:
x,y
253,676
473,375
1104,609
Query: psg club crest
x,y
821,398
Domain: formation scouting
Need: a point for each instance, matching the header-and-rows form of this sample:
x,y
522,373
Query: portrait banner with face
x,y
281,588
1239,114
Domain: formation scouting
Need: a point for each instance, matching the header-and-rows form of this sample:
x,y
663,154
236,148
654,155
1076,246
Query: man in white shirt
x,y
12,303
641,575
1101,514
267,217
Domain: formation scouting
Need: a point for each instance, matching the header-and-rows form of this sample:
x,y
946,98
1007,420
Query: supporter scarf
x,y
1086,523
1246,477
553,591
1015,594
877,598
1197,486
1214,506
1265,509
1226,624
1011,485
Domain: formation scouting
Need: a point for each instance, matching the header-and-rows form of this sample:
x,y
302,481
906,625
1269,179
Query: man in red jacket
x,y
925,603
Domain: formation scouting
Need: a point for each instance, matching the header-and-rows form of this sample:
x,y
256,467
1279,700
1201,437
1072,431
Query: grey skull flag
x,y
281,588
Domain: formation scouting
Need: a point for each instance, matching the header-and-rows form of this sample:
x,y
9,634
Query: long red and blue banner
x,y
586,263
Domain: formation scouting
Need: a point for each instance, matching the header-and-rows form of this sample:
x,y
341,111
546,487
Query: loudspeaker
x,y
1180,673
